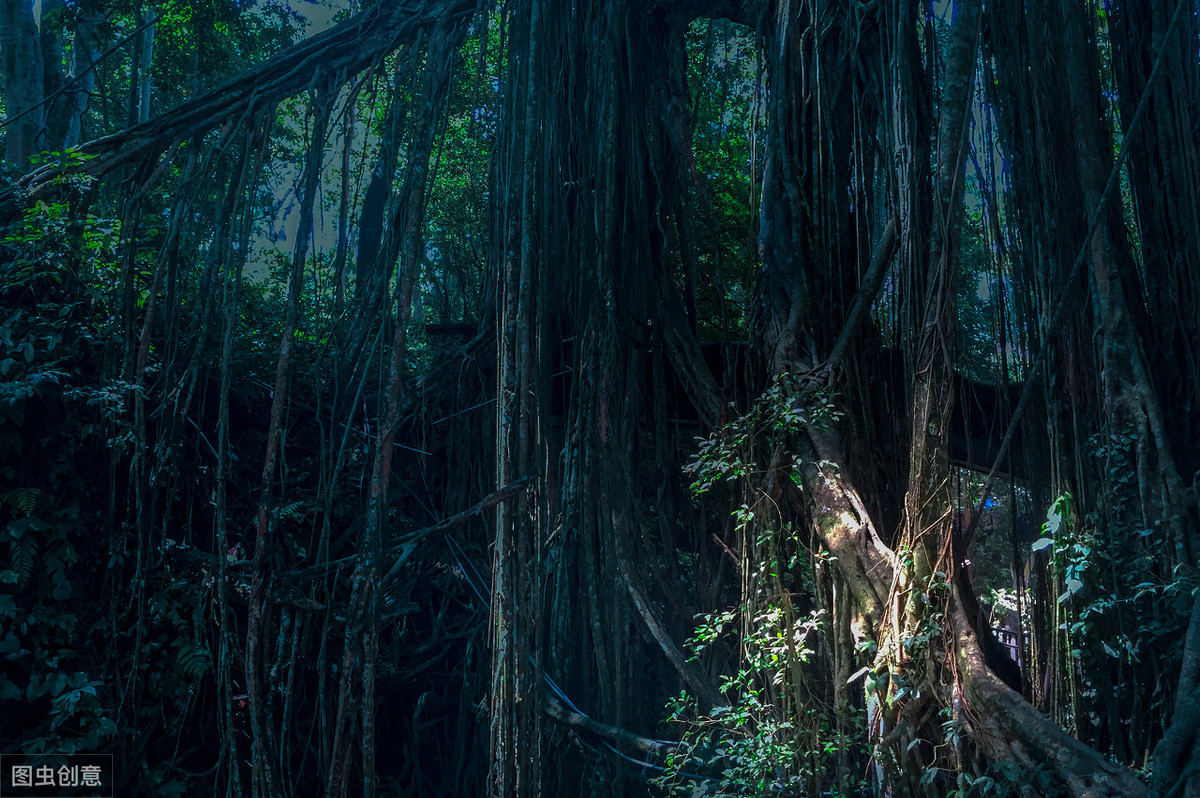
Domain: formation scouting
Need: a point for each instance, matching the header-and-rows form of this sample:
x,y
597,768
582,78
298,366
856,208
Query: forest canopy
x,y
625,397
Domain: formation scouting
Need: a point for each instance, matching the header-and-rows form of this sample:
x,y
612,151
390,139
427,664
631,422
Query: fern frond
x,y
23,501
24,558
194,660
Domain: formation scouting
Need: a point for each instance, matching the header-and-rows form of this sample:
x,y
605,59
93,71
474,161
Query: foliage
x,y
50,700
750,744
724,83
58,420
456,223
198,46
731,452
1114,611
770,738
990,334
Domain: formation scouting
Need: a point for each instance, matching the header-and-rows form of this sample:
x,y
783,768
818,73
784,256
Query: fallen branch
x,y
569,717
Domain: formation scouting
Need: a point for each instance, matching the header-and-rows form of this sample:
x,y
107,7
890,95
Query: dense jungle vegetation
x,y
602,397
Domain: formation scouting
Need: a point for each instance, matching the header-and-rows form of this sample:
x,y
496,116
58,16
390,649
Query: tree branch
x,y
344,50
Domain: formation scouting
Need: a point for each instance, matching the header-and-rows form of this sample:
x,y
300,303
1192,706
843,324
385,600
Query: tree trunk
x,y
23,88
884,581
265,776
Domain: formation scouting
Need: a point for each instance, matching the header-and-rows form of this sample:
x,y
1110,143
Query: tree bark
x,y
877,578
23,88
408,234
264,778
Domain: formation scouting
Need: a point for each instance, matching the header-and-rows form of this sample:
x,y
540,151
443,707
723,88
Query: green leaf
x,y
9,644
1042,543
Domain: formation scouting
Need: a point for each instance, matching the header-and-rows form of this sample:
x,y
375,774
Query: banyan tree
x,y
673,397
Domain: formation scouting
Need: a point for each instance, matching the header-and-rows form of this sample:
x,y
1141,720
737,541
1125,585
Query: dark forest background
x,y
624,397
